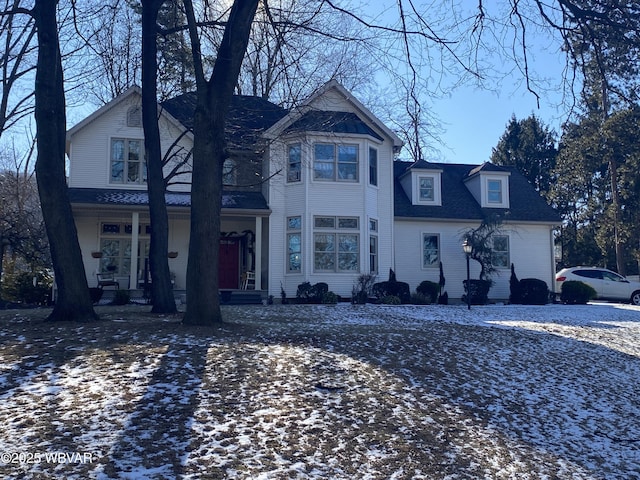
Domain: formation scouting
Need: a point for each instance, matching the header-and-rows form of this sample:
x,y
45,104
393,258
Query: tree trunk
x,y
209,151
73,302
161,288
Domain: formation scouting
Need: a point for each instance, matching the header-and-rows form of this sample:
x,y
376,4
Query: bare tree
x,y
161,288
73,302
17,61
209,152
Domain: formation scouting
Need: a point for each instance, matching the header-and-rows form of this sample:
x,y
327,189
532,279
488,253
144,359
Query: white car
x,y
607,284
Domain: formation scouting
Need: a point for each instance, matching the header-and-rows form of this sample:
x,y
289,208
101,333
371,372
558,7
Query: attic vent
x,y
134,116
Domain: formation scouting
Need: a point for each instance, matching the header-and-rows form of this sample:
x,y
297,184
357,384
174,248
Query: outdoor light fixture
x,y
467,248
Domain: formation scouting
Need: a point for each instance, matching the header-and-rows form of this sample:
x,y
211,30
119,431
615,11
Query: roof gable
x,y
333,97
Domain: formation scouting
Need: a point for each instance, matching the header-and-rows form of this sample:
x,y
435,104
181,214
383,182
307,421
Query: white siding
x,y
89,155
310,198
530,252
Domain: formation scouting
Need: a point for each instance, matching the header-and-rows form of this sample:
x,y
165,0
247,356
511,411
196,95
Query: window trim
x,y
435,264
229,172
335,163
436,178
294,175
336,232
504,191
507,251
142,167
373,167
292,232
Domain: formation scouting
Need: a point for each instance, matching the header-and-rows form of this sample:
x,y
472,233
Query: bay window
x,y
336,244
335,162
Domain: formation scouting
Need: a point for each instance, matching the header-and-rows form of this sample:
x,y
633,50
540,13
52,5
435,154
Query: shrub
x,y
479,291
533,291
443,299
121,297
361,291
429,289
575,292
24,289
329,298
392,288
308,293
390,300
515,293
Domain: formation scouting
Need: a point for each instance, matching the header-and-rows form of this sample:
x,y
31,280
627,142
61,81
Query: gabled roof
x,y
487,167
108,196
526,205
247,119
362,116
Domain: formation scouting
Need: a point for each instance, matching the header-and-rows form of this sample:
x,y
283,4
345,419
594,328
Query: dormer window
x,y
496,191
427,189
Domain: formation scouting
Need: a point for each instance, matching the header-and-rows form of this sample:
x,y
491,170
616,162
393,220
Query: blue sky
x,y
473,120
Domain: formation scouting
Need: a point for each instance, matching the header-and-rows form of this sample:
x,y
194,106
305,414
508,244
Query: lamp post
x,y
467,248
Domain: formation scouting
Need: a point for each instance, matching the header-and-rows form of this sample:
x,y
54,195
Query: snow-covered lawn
x,y
324,392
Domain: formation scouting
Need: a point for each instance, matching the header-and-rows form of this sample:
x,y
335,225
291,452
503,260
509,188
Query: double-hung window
x,y
336,244
373,166
373,246
294,244
229,172
127,163
335,162
426,188
294,165
494,191
430,250
500,251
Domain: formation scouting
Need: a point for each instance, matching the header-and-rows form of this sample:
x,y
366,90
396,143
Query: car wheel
x,y
635,298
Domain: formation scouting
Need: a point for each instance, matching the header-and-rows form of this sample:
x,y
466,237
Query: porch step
x,y
241,297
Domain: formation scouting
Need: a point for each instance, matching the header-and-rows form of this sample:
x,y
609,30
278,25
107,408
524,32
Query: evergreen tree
x,y
529,146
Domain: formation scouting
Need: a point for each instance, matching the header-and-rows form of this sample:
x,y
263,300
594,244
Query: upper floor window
x,y
134,116
373,166
229,172
294,165
127,165
426,189
494,191
335,162
500,251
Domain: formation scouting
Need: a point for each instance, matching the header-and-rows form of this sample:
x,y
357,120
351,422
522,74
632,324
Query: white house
x,y
312,194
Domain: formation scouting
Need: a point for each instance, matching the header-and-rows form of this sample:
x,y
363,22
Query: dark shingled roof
x,y
333,122
248,116
103,196
459,204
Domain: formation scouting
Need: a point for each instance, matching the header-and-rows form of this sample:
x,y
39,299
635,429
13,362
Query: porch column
x,y
135,227
258,253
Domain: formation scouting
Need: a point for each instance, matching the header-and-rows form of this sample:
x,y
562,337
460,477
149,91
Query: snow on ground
x,y
317,392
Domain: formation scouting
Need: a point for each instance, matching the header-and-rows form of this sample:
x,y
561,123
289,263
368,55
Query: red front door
x,y
229,263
